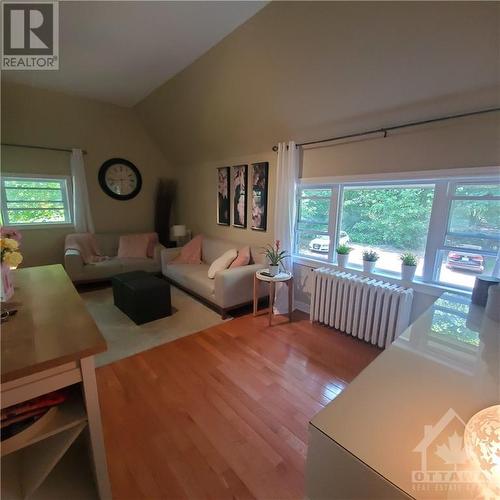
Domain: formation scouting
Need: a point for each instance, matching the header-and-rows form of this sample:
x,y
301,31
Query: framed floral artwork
x,y
223,184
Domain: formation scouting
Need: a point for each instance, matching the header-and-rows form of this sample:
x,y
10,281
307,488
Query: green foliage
x,y
370,255
314,210
34,201
274,254
343,249
394,217
409,259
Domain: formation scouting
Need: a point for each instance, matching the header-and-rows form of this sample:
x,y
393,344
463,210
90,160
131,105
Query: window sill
x,y
27,227
419,286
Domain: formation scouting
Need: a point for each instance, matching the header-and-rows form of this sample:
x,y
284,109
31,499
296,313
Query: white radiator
x,y
365,308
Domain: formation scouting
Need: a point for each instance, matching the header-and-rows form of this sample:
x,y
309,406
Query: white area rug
x,y
125,338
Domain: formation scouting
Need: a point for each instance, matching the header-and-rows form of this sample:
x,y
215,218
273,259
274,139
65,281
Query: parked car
x,y
321,244
465,261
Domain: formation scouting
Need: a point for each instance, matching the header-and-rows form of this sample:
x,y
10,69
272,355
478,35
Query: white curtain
x,y
284,211
81,207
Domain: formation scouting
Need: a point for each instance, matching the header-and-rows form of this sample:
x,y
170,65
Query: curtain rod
x,y
29,146
384,130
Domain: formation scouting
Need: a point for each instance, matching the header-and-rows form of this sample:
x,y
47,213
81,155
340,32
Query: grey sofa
x,y
79,272
230,289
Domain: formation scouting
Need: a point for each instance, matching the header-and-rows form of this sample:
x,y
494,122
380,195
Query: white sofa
x,y
79,272
231,288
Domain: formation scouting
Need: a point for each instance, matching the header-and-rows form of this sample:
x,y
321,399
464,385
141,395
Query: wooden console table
x,y
49,345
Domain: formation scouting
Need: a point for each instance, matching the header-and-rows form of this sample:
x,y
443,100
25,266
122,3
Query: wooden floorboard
x,y
223,413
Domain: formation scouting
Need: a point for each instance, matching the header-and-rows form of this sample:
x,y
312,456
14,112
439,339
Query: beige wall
x,y
35,116
467,142
309,70
197,206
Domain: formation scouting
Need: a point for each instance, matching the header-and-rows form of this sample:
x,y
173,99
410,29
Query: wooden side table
x,y
284,277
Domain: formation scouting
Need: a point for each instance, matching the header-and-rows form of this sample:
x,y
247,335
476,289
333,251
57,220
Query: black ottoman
x,y
141,296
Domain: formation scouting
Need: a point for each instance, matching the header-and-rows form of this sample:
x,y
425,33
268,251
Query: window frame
x,y
66,191
328,224
444,182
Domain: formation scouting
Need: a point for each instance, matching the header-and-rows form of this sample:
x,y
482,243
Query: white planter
x,y
369,265
274,270
408,272
342,259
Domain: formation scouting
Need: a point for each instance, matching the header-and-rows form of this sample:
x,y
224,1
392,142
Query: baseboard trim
x,y
302,306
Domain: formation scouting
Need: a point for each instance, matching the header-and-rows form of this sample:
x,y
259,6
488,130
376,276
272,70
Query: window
x,y
387,219
313,223
452,225
471,243
35,200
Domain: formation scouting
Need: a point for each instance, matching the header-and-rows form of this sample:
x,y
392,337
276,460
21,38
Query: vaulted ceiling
x,y
119,52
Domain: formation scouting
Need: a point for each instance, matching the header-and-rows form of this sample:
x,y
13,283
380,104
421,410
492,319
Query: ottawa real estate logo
x,y
444,466
30,36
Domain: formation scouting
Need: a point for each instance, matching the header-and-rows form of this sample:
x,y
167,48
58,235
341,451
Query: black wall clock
x,y
120,179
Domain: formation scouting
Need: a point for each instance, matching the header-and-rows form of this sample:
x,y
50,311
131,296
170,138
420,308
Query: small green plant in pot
x,y
409,263
275,256
343,252
370,258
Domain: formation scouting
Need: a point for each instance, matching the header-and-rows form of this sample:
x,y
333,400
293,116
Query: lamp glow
x,y
482,445
179,231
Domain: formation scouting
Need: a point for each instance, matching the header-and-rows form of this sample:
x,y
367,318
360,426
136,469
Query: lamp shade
x,y
179,231
482,445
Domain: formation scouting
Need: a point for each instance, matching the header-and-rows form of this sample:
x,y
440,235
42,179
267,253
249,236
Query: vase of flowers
x,y
10,259
370,258
343,252
409,263
275,256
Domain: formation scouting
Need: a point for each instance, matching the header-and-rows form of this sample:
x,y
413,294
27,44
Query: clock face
x,y
120,179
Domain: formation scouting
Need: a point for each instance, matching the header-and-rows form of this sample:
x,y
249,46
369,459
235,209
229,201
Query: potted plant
x,y
343,254
275,256
370,258
409,263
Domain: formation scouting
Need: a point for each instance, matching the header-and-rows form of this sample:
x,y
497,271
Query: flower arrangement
x,y
370,256
274,254
9,246
409,259
343,249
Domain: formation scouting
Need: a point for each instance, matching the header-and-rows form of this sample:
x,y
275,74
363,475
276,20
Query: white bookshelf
x,y
30,457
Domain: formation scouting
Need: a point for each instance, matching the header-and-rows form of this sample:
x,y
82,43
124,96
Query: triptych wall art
x,y
232,195
223,194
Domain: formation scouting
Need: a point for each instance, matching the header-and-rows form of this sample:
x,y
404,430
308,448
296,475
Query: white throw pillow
x,y
222,262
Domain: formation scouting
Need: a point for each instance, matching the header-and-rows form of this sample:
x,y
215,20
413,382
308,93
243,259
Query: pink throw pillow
x,y
243,258
153,241
191,252
134,245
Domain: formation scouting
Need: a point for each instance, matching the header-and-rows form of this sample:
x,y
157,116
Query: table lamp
x,y
179,233
482,446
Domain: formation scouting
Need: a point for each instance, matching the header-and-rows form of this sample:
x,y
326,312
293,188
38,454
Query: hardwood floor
x,y
223,413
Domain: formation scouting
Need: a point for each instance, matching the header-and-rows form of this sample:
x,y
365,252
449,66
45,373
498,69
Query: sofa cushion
x,y
101,270
133,245
222,262
193,277
136,264
243,258
190,252
212,249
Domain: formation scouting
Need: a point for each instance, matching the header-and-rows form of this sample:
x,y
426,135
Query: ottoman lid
x,y
131,275
146,283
